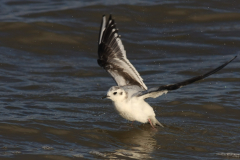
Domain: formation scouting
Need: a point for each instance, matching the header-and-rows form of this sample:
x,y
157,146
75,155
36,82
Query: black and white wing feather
x,y
112,56
158,91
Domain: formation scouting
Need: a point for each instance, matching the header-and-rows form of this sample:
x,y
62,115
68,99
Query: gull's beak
x,y
105,97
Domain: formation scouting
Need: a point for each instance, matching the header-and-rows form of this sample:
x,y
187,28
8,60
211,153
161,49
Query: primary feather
x,y
112,56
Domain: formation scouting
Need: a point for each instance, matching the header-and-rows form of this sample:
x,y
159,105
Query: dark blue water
x,y
51,85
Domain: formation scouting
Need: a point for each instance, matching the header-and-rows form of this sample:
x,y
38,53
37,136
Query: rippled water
x,y
51,84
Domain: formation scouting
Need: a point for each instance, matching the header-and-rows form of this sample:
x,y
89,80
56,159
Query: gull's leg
x,y
151,123
132,124
127,125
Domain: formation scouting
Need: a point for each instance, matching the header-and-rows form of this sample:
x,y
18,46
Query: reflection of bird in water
x,y
130,94
136,143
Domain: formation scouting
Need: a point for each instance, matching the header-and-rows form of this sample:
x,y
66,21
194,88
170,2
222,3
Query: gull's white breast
x,y
135,109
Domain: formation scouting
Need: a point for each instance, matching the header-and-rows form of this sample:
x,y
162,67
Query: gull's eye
x,y
115,93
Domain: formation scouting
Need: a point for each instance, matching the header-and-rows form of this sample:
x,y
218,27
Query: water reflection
x,y
136,142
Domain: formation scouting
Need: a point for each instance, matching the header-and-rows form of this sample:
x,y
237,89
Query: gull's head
x,y
116,93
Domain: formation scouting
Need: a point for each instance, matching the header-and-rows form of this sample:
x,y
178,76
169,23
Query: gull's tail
x,y
155,122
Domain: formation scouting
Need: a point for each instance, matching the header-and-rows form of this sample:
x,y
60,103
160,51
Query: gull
x,y
130,93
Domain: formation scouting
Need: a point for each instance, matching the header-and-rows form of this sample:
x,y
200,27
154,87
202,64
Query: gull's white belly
x,y
135,110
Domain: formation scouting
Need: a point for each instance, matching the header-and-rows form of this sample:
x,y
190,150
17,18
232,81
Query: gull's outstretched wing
x,y
112,56
158,91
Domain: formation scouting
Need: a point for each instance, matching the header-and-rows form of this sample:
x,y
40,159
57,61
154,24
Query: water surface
x,y
51,85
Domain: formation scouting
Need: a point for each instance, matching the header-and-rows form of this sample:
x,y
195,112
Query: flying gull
x,y
130,93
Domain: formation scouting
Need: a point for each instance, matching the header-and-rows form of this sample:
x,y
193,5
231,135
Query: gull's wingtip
x,y
234,58
102,28
231,60
103,17
110,17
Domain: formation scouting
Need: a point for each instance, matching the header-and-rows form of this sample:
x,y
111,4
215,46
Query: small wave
x,y
234,155
97,153
47,148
